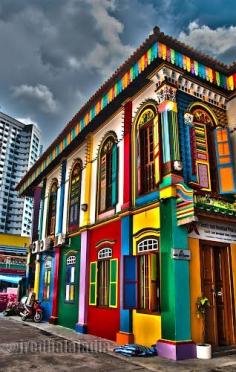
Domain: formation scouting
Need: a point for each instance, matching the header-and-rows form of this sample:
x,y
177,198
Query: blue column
x,y
126,327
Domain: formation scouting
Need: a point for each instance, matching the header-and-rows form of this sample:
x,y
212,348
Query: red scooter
x,y
34,312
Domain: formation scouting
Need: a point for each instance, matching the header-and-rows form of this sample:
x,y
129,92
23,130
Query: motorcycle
x,y
34,312
15,307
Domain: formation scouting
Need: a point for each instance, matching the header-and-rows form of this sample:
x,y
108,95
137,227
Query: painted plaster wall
x,y
14,240
195,289
105,321
146,327
142,96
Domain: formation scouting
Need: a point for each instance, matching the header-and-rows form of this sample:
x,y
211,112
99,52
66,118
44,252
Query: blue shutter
x,y
114,174
130,282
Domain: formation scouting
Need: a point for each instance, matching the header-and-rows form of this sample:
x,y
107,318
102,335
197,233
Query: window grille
x,y
105,253
148,245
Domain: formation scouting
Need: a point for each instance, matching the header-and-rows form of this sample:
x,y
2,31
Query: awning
x,y
10,279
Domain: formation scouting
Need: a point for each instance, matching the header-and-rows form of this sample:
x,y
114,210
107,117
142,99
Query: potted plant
x,y
203,349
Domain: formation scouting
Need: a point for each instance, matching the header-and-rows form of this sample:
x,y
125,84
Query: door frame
x,y
230,307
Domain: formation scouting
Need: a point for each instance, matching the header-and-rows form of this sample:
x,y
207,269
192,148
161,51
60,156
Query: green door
x,y
69,285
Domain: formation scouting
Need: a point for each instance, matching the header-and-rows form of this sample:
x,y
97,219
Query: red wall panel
x,y
105,321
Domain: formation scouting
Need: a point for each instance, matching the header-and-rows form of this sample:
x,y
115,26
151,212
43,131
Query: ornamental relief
x,y
166,93
201,116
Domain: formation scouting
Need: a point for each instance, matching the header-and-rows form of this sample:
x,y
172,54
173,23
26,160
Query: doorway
x,y
217,287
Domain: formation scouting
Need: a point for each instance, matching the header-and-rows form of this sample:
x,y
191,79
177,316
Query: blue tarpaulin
x,y
10,279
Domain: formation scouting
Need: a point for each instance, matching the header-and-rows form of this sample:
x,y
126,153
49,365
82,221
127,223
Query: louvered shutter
x,y
113,285
226,173
103,183
130,282
114,174
93,284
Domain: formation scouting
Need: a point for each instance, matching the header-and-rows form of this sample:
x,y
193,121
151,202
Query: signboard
x,y
214,231
181,254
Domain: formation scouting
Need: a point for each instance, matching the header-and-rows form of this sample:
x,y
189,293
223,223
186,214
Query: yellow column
x,y
88,174
36,276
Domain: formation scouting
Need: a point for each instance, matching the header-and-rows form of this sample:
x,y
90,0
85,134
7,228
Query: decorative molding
x,y
166,93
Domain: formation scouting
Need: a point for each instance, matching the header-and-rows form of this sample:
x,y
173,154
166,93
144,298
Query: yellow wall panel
x,y
147,219
195,289
14,240
146,328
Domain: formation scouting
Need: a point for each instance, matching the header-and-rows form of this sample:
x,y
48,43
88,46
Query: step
x,y
224,351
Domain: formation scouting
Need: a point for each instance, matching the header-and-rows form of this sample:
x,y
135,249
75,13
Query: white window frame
x,y
104,253
148,245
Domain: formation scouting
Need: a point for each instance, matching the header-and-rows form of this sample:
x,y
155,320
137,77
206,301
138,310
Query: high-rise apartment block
x,y
19,149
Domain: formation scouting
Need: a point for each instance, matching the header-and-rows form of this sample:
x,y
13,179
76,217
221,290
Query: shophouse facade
x,y
137,216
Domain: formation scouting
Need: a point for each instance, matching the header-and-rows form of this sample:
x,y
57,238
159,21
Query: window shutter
x,y
138,162
130,282
93,284
156,151
114,174
202,156
226,174
103,183
113,283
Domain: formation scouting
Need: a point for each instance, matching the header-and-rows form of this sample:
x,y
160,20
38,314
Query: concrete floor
x,y
45,347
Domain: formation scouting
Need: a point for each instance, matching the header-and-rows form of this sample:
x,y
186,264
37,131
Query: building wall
x,y
46,304
195,289
146,327
19,149
104,322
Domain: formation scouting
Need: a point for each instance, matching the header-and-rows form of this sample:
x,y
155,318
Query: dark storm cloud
x,y
56,53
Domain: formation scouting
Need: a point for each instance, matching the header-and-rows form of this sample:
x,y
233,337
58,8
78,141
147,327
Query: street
x,y
23,347
44,347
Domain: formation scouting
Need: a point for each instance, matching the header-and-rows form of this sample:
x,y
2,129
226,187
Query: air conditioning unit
x,y
35,247
41,245
45,244
60,239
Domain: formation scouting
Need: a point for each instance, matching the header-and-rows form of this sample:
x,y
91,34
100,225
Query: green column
x,y
175,292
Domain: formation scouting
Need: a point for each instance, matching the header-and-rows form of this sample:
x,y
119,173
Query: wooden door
x,y
215,271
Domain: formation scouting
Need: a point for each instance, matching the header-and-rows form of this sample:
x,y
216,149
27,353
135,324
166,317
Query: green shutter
x,y
93,284
113,282
103,183
114,174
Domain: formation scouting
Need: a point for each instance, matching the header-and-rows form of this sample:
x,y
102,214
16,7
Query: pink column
x,y
81,326
127,154
54,317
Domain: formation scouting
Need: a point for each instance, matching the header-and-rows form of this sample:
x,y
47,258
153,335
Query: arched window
x,y
147,150
148,274
47,278
203,149
52,209
70,278
108,175
74,195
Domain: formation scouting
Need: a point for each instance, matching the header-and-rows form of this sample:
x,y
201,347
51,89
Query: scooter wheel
x,y
23,318
38,317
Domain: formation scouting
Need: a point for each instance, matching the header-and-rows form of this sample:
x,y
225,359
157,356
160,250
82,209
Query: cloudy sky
x,y
55,53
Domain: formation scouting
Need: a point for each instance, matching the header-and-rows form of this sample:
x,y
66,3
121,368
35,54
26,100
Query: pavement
x,y
27,345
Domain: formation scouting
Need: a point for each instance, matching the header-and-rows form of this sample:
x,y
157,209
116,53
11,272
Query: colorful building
x,y
137,217
13,259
